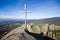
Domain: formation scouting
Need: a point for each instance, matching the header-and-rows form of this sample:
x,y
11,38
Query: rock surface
x,y
28,32
45,29
19,34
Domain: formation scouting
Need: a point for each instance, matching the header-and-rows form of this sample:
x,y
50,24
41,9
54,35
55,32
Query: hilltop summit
x,y
27,33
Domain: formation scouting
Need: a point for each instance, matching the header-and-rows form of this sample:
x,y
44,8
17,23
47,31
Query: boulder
x,y
44,29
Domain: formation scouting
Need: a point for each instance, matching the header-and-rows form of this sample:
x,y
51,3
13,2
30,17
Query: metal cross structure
x,y
25,11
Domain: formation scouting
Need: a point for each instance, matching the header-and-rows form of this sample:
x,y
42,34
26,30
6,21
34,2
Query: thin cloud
x,y
10,17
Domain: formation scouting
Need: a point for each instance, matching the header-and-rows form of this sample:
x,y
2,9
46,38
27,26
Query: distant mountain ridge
x,y
53,20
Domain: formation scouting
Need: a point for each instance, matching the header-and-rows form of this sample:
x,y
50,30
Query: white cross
x,y
25,11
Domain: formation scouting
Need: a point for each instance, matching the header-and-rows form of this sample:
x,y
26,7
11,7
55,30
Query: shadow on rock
x,y
39,36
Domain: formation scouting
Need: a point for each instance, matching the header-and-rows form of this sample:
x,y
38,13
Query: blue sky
x,y
39,8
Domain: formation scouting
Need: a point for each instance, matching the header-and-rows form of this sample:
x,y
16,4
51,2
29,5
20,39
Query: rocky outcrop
x,y
33,29
19,34
28,32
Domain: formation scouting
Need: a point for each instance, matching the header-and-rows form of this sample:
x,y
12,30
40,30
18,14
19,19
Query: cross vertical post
x,y
25,11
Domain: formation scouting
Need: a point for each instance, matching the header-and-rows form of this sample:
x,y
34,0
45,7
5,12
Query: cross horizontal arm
x,y
29,12
25,12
